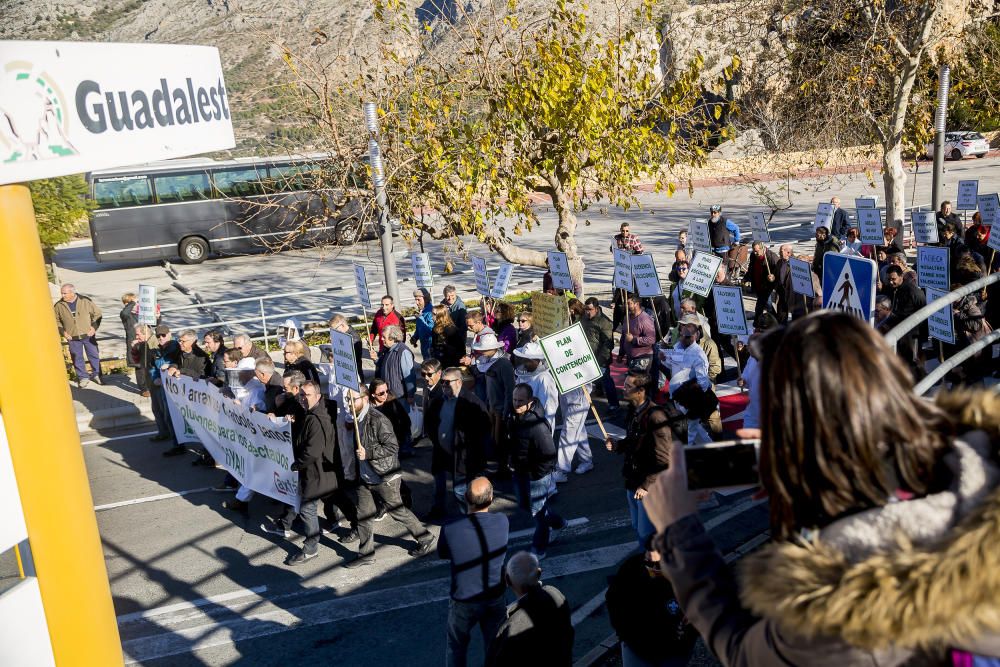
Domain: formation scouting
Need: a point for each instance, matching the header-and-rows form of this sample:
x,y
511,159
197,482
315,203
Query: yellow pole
x,y
46,453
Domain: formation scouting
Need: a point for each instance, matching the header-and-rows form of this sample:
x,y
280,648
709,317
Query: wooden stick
x,y
739,370
368,331
941,351
594,410
354,414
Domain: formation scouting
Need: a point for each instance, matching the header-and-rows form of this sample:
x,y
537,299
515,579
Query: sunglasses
x,y
162,335
524,320
429,375
381,393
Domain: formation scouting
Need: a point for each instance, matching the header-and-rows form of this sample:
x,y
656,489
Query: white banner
x,y
698,237
802,282
361,282
940,325
147,304
502,282
870,201
968,192
482,276
345,364
924,226
254,449
421,263
559,268
647,283
758,228
934,267
73,107
623,269
570,358
870,226
702,270
824,216
729,312
989,205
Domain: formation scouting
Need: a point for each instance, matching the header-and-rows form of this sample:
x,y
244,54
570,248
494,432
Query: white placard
x,y
870,226
361,282
868,201
968,193
802,281
421,263
147,304
698,237
559,268
989,207
73,107
345,364
940,325
482,275
623,269
924,225
702,269
758,227
570,358
934,267
255,449
647,283
730,316
502,282
824,216
12,527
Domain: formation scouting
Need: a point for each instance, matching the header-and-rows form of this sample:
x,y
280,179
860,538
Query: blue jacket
x,y
424,324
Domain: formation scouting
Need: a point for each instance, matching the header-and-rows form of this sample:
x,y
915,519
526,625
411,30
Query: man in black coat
x,y
458,425
314,449
272,381
841,222
763,277
945,216
192,361
907,299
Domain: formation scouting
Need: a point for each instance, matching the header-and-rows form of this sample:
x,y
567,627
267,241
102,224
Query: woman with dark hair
x,y
504,327
885,518
525,334
447,341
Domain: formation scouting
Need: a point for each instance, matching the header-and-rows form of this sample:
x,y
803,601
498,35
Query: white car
x,y
958,145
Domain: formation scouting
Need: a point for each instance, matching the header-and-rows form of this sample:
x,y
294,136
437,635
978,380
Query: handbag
x,y
699,403
416,423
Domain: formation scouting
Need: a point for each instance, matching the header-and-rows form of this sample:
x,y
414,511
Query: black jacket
x,y
538,631
129,320
840,223
315,452
472,434
830,244
379,442
533,453
273,388
395,412
495,387
601,337
194,364
448,347
287,405
305,367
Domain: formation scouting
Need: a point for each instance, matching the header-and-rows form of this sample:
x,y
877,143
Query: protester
x,y
644,448
762,277
784,294
682,238
951,241
722,231
78,319
690,386
883,314
266,373
430,371
824,243
130,318
297,355
900,515
448,341
386,316
750,381
535,373
505,327
852,243
339,323
677,289
455,423
494,385
600,336
397,367
248,348
155,351
476,545
457,311
477,325
841,222
945,216
215,347
423,323
192,361
626,240
525,335
386,402
638,336
906,299
538,630
705,342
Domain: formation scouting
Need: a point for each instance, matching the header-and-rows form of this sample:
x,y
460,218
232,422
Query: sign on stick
x,y
647,283
559,268
968,193
345,364
934,267
147,304
924,226
422,275
801,273
361,282
940,325
698,236
870,226
870,201
502,282
989,205
570,358
824,216
730,316
549,312
623,269
703,268
758,227
482,276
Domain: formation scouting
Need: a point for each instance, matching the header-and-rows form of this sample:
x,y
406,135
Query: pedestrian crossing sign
x,y
849,285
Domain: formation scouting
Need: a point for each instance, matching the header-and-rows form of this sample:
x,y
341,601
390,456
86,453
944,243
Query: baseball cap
x,y
715,208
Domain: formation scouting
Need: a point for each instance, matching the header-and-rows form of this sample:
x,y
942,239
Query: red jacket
x,y
380,321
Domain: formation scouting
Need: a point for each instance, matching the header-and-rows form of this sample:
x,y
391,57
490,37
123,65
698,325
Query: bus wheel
x,y
193,250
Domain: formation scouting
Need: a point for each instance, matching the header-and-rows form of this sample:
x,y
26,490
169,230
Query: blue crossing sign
x,y
849,285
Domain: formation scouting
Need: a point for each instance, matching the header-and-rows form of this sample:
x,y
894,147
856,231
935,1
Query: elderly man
x,y
784,294
79,318
456,308
494,376
397,366
193,361
247,348
841,223
762,277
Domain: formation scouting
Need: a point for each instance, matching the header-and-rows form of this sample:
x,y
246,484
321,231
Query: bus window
x,y
182,187
122,191
295,177
239,182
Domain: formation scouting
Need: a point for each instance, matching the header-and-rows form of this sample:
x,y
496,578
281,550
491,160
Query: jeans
x,y
164,426
764,302
77,349
308,511
489,615
610,392
641,524
388,493
533,495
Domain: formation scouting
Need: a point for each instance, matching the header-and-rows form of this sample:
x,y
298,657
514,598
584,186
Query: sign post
x,y
940,325
572,363
801,275
989,208
647,283
482,276
698,236
549,312
345,365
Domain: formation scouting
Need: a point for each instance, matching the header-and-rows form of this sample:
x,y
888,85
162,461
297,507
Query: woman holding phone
x,y
885,515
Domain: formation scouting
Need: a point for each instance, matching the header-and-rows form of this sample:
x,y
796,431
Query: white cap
x,y
530,350
247,364
487,341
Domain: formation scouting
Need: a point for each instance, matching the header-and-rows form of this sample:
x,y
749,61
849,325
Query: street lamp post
x,y
940,119
381,200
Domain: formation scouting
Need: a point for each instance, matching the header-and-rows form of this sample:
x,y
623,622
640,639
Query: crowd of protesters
x,y
892,485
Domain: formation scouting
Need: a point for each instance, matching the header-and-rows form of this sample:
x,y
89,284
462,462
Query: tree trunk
x,y
565,240
894,182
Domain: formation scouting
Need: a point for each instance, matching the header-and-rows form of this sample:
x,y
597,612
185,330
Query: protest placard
x,y
824,216
801,272
701,273
345,364
758,227
549,313
559,268
989,206
647,283
482,275
502,282
422,275
255,449
968,193
361,282
730,315
924,226
940,325
870,201
623,269
147,304
698,236
570,358
870,226
934,267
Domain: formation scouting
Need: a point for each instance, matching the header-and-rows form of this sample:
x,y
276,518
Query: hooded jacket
x,y
903,584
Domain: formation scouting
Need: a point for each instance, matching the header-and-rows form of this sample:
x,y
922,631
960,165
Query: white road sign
x,y
647,283
559,268
729,312
570,358
702,270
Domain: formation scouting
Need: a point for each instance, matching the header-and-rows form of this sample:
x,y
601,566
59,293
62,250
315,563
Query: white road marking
x,y
101,441
149,499
588,607
200,602
528,532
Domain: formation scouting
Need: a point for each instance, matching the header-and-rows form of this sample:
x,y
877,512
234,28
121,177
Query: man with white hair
x,y
538,629
247,347
78,319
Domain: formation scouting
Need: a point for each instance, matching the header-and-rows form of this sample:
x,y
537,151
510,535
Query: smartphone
x,y
718,465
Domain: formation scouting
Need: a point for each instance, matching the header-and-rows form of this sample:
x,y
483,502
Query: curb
x,y
599,653
114,418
